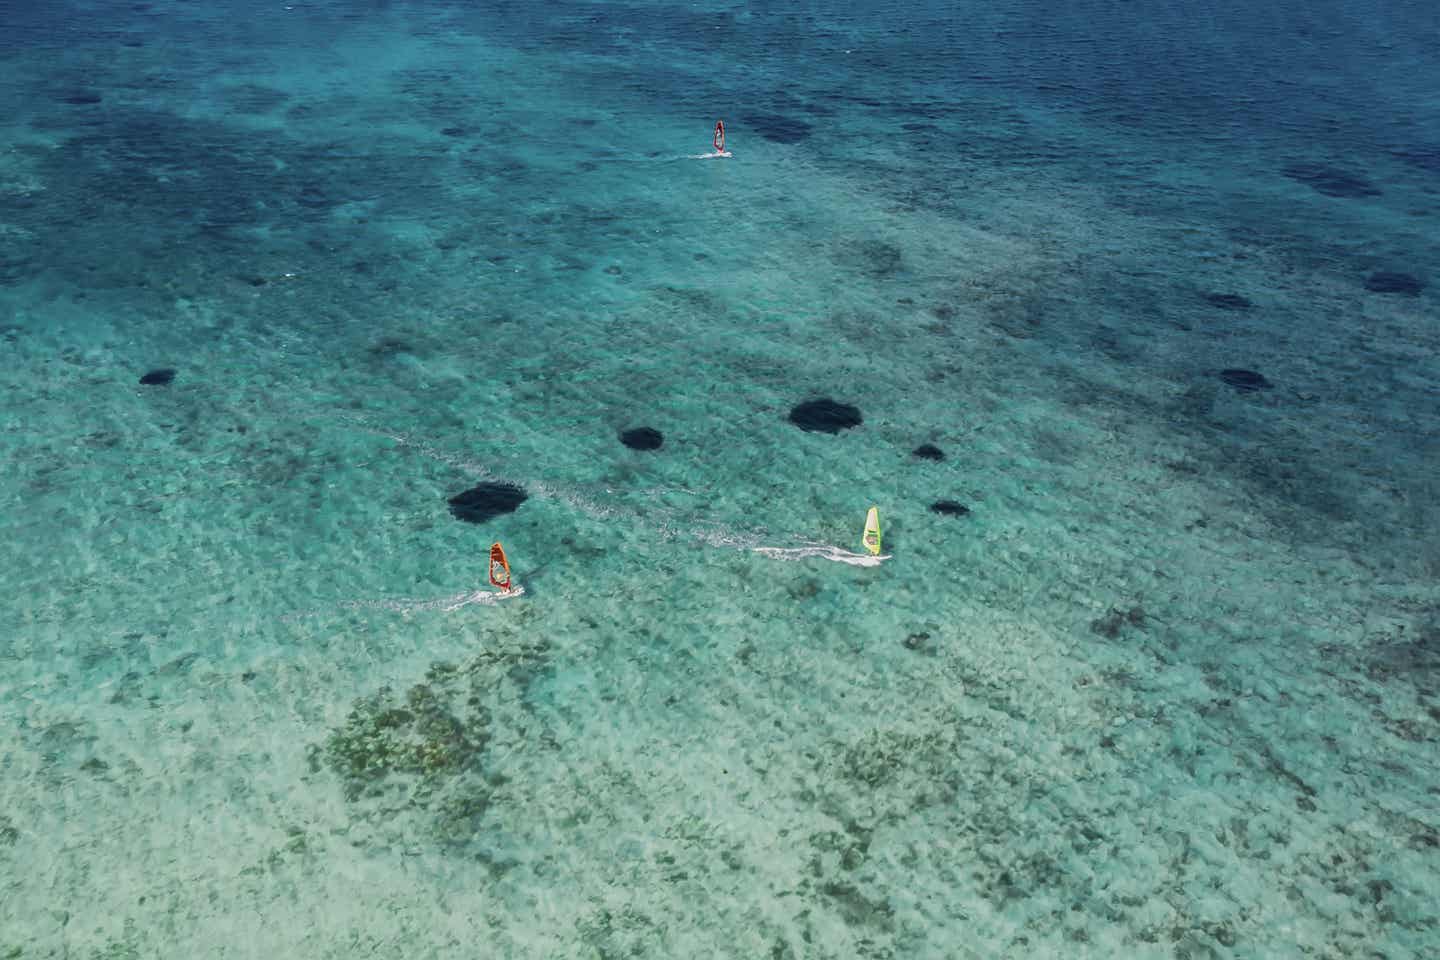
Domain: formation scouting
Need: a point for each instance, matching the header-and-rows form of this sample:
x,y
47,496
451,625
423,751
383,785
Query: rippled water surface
x,y
1123,315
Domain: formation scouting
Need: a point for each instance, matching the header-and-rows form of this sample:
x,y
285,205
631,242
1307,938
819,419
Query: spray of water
x,y
663,521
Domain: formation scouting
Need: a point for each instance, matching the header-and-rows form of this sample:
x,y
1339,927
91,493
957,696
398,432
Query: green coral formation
x,y
422,754
115,950
420,735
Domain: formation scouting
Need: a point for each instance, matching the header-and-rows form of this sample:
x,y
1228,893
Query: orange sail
x,y
499,567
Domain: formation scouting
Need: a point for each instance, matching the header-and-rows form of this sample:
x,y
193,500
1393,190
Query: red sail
x,y
499,567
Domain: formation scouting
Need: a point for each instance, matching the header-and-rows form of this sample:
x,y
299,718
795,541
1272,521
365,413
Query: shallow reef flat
x,y
1125,326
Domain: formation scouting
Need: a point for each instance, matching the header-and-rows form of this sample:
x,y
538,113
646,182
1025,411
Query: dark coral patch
x,y
1422,156
158,378
876,257
313,195
1228,301
1110,625
825,416
15,264
949,508
642,438
486,502
778,128
1331,181
1385,282
919,642
928,451
1245,380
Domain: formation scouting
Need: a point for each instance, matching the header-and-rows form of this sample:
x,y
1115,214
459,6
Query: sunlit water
x,y
1158,279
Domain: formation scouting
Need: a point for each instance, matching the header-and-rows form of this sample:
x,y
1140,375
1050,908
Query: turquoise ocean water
x,y
1159,280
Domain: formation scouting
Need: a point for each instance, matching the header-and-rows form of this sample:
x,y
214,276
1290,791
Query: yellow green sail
x,y
871,539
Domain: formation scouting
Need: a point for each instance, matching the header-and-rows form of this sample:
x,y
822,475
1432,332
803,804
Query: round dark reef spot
x,y
1228,301
642,438
1245,380
928,451
779,128
1331,181
949,508
1386,282
158,378
486,501
825,416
